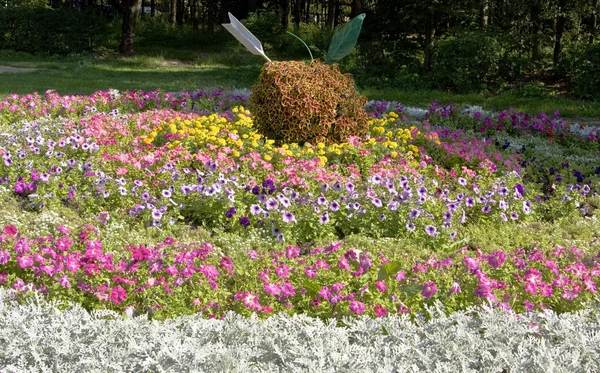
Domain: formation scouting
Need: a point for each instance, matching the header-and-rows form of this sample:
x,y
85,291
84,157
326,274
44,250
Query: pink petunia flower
x,y
118,295
380,311
357,307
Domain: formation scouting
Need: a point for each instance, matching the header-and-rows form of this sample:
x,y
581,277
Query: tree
x,y
286,13
594,22
330,20
356,8
130,10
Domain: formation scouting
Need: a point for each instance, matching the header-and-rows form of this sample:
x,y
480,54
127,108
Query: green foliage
x,y
586,78
466,62
37,30
267,27
298,102
344,40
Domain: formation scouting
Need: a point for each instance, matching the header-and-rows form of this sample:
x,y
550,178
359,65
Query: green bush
x,y
60,31
586,75
466,62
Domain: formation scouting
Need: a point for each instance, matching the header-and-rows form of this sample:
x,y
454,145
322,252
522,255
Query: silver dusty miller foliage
x,y
38,337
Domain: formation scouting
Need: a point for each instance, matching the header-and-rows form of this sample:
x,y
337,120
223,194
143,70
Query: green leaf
x,y
388,270
344,39
412,289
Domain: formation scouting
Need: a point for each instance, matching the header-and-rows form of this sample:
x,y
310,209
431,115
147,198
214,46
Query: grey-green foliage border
x,y
37,337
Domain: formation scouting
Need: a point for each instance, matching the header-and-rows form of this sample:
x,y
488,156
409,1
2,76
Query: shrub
x,y
296,102
466,62
586,77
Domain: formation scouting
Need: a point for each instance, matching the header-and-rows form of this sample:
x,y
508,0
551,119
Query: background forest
x,y
528,46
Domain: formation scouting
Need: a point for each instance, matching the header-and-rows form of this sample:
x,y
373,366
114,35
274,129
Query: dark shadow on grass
x,y
90,79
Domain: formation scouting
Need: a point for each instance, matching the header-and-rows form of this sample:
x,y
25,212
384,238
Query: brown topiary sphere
x,y
298,102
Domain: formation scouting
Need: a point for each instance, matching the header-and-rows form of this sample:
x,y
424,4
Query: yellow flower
x,y
394,154
267,157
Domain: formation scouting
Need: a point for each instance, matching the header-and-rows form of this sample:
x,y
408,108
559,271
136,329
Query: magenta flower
x,y
343,263
25,261
118,295
381,286
496,259
380,311
528,306
63,244
292,252
357,307
4,256
400,276
64,281
454,289
10,230
429,289
272,289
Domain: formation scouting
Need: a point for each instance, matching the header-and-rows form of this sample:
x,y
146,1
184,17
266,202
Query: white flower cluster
x,y
37,337
470,111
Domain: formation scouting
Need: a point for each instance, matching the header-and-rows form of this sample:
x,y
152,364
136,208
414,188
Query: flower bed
x,y
172,204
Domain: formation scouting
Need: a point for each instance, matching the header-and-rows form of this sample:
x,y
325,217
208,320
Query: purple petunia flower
x,y
272,204
229,214
324,219
429,289
288,217
431,230
334,206
244,221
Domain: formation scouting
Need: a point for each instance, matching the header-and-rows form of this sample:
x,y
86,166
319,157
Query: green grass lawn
x,y
86,74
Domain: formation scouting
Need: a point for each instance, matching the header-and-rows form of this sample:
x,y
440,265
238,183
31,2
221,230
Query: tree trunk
x,y
142,9
298,5
330,21
212,14
536,28
152,7
180,11
485,8
194,13
429,33
307,14
561,22
286,13
173,11
130,10
356,8
594,22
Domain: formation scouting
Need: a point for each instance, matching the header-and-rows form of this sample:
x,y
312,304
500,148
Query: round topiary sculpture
x,y
298,102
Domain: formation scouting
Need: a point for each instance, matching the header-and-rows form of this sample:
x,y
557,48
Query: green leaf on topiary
x,y
344,39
